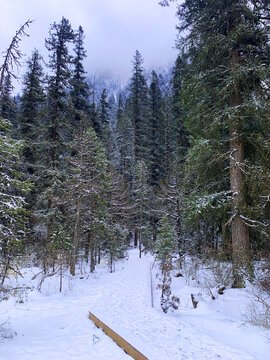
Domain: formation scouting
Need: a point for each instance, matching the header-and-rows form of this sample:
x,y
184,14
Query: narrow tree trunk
x,y
140,238
75,238
240,232
87,247
92,259
136,238
167,149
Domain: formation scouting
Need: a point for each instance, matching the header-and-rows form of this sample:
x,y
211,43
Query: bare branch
x,y
13,54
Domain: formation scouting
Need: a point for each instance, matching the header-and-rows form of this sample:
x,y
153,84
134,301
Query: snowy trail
x,y
160,336
56,326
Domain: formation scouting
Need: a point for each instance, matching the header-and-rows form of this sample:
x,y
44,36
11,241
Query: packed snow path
x,y
56,326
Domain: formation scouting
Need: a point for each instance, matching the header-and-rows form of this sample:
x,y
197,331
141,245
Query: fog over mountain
x,y
113,30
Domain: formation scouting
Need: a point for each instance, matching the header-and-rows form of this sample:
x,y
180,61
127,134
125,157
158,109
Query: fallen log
x,y
129,349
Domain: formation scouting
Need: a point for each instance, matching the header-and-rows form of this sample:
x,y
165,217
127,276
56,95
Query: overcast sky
x,y
114,29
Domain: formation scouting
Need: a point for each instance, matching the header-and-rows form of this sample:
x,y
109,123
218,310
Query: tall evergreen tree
x,y
80,91
124,141
141,200
7,105
32,104
180,133
157,132
139,108
13,188
60,36
51,212
87,190
228,52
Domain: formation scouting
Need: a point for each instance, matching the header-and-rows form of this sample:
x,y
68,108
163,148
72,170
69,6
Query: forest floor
x,y
49,325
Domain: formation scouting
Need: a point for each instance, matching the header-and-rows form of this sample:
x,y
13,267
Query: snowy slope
x,y
50,325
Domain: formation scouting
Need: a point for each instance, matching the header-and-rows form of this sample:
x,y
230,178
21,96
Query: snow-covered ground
x,y
48,325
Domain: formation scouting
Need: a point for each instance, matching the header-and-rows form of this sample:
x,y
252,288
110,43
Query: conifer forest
x,y
174,164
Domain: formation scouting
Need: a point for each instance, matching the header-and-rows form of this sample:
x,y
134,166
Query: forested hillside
x,y
175,162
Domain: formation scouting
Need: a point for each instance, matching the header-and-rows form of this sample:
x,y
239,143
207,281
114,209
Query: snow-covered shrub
x,y
214,276
166,245
6,333
259,310
189,268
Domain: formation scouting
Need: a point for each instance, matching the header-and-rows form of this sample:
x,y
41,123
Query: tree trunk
x,y
92,259
167,148
136,238
75,238
140,238
240,231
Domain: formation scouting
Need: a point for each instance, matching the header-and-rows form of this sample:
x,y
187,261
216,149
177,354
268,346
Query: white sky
x,y
114,29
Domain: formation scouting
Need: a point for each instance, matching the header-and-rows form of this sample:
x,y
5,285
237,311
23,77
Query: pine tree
x,y
60,35
180,133
170,204
50,214
106,133
104,115
80,91
141,200
7,105
139,108
125,141
165,247
227,49
87,190
13,214
157,132
118,217
32,104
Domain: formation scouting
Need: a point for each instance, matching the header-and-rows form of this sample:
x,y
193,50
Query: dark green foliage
x,y
105,130
7,105
125,141
80,91
157,132
87,193
141,191
179,137
13,214
139,114
60,35
224,96
32,105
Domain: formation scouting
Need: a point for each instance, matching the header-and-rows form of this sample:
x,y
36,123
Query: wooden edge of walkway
x,y
129,349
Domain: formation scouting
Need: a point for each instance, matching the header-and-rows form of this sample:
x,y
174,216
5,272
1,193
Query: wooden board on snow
x,y
129,349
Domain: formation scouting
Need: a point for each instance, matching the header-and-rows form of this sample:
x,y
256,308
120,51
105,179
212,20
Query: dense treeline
x,y
174,165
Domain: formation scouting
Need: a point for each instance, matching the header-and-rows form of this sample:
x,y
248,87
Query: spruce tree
x,y
80,91
141,200
228,56
180,133
139,108
51,211
157,132
87,194
125,141
32,105
7,105
60,36
13,189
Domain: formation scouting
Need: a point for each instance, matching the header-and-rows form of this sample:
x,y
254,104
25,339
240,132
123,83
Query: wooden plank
x,y
129,349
